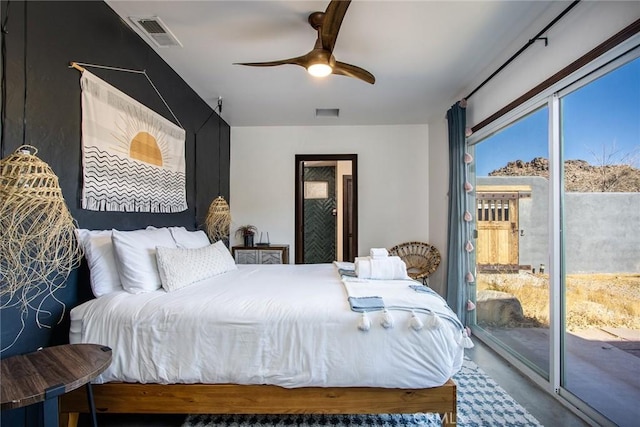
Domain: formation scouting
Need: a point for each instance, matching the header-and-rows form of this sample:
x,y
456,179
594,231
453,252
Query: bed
x,y
272,339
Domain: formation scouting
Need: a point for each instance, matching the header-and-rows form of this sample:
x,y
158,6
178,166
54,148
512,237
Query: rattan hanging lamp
x,y
38,243
218,218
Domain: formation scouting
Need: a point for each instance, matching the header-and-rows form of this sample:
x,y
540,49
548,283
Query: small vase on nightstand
x,y
248,240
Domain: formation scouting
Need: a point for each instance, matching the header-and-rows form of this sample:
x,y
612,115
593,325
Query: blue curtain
x,y
457,229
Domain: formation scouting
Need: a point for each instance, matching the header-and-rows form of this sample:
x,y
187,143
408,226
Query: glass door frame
x,y
616,57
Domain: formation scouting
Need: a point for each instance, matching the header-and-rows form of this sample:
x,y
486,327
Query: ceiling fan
x,y
320,61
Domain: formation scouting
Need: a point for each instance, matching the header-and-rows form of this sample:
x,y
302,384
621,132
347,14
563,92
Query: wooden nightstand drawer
x,y
272,254
246,256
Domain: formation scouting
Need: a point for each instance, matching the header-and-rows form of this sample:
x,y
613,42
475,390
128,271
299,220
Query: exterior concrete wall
x,y
602,232
600,228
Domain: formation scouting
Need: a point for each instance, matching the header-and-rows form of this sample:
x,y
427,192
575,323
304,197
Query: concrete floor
x,y
544,407
602,366
547,410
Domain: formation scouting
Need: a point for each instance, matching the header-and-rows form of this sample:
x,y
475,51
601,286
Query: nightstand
x,y
272,254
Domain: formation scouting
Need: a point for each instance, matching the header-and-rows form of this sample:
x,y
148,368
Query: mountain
x,y
579,175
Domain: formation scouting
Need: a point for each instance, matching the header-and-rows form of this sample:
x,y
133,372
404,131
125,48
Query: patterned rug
x,y
481,402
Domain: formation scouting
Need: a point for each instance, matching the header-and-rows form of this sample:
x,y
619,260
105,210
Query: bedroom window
x,y
558,196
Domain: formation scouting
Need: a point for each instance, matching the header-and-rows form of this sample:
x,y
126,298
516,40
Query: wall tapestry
x,y
133,159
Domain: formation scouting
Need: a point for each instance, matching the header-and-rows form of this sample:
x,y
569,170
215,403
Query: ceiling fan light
x,y
319,70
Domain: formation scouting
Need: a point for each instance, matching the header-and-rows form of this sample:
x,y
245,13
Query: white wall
x,y
393,196
438,199
582,29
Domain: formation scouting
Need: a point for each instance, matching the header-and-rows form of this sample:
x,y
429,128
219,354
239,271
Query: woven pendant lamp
x,y
38,243
218,219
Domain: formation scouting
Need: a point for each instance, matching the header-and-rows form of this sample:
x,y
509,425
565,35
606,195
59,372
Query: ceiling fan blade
x,y
299,60
332,21
352,71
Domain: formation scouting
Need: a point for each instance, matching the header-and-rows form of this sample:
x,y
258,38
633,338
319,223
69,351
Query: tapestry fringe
x,y
103,205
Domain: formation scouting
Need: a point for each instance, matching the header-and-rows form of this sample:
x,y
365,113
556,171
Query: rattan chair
x,y
422,259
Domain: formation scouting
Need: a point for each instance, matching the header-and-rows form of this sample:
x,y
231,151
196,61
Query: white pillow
x,y
182,267
136,257
186,239
228,259
98,250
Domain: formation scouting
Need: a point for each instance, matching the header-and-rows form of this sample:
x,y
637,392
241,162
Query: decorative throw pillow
x,y
186,239
98,250
136,257
182,267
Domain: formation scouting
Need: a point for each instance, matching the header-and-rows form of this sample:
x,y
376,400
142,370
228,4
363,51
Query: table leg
x,y
68,419
92,405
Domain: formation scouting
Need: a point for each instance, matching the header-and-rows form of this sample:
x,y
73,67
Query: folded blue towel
x,y
348,273
361,304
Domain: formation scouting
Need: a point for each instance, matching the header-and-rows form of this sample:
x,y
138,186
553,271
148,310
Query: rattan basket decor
x,y
218,219
422,259
37,233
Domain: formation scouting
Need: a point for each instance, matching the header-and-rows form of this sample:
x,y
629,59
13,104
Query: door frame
x,y
299,197
347,218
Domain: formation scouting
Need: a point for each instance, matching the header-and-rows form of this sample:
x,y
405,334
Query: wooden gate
x,y
498,228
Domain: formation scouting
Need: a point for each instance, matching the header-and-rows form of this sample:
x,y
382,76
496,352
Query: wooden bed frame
x,y
257,399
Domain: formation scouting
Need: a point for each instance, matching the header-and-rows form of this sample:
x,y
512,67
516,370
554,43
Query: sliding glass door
x,y
600,125
512,193
558,241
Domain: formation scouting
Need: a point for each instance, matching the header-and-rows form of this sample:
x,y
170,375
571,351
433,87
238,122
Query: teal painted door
x,y
319,215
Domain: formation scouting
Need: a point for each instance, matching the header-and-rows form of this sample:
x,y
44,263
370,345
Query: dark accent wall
x,y
56,34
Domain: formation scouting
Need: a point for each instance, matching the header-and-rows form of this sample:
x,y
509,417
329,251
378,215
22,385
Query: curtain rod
x,y
523,48
78,66
613,41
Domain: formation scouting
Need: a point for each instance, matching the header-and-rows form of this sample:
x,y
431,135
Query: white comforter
x,y
288,325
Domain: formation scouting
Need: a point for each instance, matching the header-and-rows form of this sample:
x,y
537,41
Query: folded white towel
x,y
344,265
376,253
362,266
389,268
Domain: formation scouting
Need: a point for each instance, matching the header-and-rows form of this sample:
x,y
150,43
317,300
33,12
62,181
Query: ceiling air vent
x,y
327,112
156,30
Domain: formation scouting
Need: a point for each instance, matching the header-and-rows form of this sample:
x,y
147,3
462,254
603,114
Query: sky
x,y
601,125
